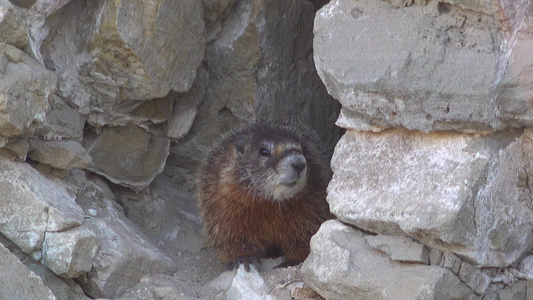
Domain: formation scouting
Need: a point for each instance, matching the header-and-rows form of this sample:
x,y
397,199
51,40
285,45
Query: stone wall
x,y
108,106
431,181
106,109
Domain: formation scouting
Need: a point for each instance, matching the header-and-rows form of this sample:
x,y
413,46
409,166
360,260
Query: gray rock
x,y
474,278
435,67
25,87
17,282
13,30
60,154
62,122
451,262
435,257
455,192
69,253
516,291
526,266
343,266
63,289
111,62
248,285
124,253
127,155
399,248
33,205
20,147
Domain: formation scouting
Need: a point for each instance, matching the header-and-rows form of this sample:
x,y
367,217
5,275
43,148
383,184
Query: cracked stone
x,y
451,191
70,253
400,248
33,204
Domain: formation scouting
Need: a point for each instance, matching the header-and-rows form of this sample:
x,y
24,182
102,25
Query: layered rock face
x,y
106,109
433,172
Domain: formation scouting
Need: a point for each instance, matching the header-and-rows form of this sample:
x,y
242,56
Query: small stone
x,y
435,257
60,154
451,262
14,54
474,278
69,253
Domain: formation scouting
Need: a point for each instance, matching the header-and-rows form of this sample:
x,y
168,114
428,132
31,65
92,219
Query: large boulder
x,y
128,155
17,282
110,62
33,205
124,254
25,88
466,194
343,265
444,65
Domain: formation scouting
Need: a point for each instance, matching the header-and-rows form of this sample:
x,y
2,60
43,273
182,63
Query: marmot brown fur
x,y
262,193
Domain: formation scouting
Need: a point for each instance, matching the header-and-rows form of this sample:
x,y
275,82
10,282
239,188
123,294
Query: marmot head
x,y
270,161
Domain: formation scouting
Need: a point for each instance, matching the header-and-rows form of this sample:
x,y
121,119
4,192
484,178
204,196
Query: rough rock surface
x,y
33,205
127,155
17,282
25,88
436,100
124,252
108,106
441,188
60,154
437,66
343,265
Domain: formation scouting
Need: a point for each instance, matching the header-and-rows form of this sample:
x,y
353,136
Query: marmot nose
x,y
299,163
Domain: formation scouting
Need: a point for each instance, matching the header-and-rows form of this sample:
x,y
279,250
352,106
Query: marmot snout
x,y
262,194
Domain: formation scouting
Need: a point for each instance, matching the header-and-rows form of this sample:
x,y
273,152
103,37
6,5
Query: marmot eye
x,y
264,151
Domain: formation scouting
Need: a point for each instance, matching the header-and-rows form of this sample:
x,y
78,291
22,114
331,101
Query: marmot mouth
x,y
292,184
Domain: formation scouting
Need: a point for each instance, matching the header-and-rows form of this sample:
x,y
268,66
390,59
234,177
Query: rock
x,y
456,192
69,253
186,107
248,285
127,155
62,122
441,66
17,282
342,265
63,289
451,262
13,30
435,257
20,147
23,3
116,60
516,291
25,87
166,214
34,205
474,278
214,9
526,266
399,248
515,86
60,154
124,253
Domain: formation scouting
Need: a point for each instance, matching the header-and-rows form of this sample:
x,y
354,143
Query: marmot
x,y
262,194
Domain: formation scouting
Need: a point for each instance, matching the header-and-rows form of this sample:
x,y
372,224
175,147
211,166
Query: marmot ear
x,y
240,143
